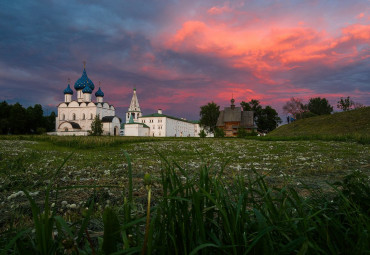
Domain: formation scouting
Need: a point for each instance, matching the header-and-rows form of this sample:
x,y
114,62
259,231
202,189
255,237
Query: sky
x,y
180,55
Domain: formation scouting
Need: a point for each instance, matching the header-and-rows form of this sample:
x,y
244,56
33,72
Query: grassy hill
x,y
355,123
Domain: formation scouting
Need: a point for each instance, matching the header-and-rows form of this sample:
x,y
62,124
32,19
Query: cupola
x,y
99,95
68,92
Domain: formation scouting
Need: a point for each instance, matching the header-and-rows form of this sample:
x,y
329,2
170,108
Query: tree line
x,y
15,119
316,106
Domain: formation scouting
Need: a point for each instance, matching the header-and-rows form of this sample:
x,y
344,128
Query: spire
x,y
232,102
134,106
84,64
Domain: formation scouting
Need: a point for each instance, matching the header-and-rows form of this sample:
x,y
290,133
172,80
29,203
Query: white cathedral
x,y
75,116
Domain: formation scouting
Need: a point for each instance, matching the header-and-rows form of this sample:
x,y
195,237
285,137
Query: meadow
x,y
244,190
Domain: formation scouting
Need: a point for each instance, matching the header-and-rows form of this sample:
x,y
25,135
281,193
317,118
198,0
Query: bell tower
x,y
134,109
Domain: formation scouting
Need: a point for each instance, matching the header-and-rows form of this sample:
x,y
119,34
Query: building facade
x,y
157,124
232,118
76,116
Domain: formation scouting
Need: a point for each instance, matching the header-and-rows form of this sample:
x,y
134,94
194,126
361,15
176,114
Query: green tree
x,y
345,104
17,119
253,105
4,117
96,126
319,106
35,118
50,122
268,119
208,116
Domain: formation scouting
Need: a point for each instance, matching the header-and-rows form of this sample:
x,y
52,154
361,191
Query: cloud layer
x,y
183,54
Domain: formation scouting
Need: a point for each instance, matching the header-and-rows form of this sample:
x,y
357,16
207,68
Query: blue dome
x,y
87,89
99,93
68,90
83,82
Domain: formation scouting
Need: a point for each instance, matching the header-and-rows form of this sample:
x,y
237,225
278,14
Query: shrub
x,y
219,133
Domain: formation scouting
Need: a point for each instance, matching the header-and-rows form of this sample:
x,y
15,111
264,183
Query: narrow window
x,y
83,116
91,116
73,116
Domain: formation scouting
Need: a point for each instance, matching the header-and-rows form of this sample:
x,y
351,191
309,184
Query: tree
x,y
253,105
208,116
4,117
50,122
345,104
96,126
319,106
35,118
17,119
295,107
268,119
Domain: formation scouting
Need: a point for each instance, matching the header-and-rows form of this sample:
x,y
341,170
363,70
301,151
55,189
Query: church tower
x,y
134,111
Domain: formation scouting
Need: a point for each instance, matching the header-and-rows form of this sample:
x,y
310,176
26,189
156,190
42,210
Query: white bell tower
x,y
134,109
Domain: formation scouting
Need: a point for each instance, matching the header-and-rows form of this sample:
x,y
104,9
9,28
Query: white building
x,y
157,124
75,116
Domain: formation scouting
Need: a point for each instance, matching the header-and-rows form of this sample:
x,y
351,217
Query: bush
x,y
202,134
219,133
40,131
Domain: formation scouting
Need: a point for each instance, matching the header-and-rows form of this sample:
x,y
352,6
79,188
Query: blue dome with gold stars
x,y
68,90
99,93
87,89
83,82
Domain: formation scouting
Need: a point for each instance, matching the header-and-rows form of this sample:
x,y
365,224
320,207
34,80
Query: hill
x,y
350,123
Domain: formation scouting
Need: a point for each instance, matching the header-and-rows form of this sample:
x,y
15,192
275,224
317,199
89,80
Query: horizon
x,y
184,54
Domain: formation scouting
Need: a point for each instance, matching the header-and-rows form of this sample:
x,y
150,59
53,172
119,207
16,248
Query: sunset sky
x,y
183,54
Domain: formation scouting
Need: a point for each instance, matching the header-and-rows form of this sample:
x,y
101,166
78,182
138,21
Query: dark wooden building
x,y
233,118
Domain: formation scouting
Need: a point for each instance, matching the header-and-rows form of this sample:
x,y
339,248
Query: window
x,y
91,116
83,116
66,129
73,116
133,115
63,117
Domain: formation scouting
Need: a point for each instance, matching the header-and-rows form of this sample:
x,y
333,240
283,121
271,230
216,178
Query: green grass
x,y
204,213
207,195
350,125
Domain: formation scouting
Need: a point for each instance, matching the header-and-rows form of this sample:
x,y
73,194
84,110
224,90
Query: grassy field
x,y
99,170
352,124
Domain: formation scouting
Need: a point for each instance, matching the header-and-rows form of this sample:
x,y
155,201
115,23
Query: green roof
x,y
167,116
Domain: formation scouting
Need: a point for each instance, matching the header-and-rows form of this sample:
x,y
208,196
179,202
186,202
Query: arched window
x,y
91,116
73,116
83,116
128,115
133,115
63,116
66,129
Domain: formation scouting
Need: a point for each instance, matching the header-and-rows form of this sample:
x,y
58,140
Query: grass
x,y
228,184
203,213
342,126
